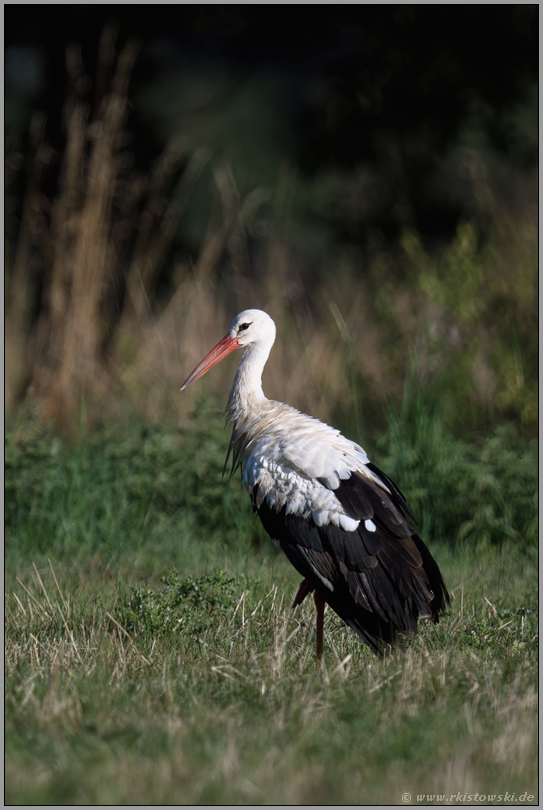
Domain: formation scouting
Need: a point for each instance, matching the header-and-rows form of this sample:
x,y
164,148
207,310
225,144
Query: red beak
x,y
221,350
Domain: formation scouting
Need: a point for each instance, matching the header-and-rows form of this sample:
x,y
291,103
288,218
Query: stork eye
x,y
243,327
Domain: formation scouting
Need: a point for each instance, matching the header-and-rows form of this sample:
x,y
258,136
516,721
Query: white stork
x,y
339,519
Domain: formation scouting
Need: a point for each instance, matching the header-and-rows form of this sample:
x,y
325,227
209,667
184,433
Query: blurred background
x,y
367,175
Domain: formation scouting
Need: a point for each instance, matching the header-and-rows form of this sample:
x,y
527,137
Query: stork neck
x,y
247,395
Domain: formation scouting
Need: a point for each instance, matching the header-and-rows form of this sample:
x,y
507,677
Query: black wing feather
x,y
379,582
392,487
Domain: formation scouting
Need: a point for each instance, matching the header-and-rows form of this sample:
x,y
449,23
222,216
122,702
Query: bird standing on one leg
x,y
340,520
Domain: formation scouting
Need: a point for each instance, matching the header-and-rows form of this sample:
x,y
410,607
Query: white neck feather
x,y
247,398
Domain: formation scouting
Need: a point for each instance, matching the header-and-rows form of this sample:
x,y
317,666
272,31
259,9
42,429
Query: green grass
x,y
483,491
152,656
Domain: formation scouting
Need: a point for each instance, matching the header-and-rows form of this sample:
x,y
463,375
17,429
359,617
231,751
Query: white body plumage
x,y
297,462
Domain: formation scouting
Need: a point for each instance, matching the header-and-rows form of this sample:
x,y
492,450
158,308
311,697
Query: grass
x,y
237,712
152,656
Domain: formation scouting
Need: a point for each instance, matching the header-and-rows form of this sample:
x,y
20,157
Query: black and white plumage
x,y
341,522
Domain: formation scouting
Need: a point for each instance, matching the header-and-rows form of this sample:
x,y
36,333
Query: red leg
x,y
303,589
320,604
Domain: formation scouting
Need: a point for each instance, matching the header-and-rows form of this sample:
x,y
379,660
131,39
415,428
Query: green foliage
x,y
501,634
482,287
483,491
149,493
130,490
192,606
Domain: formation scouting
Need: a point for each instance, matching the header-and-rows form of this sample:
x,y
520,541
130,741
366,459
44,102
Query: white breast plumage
x,y
295,461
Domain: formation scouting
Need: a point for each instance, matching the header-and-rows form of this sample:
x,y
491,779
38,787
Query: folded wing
x,y
380,578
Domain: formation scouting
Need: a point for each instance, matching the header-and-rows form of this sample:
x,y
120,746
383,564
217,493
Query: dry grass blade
x,y
64,602
41,608
124,632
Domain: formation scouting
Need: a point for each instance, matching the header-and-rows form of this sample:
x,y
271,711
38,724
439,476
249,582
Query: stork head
x,y
251,328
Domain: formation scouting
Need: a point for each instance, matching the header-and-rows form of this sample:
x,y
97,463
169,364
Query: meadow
x,y
152,656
